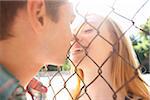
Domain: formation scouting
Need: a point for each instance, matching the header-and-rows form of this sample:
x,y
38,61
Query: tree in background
x,y
141,44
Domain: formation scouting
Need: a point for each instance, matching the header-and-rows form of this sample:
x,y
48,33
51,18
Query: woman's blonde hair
x,y
125,66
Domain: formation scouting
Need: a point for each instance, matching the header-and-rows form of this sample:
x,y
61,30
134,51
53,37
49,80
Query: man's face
x,y
60,35
37,38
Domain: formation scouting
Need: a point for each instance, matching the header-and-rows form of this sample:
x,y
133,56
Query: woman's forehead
x,y
94,20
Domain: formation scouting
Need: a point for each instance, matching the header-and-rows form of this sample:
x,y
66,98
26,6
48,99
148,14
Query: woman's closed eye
x,y
90,30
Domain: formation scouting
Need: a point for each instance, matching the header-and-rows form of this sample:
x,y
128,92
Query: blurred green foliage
x,y
66,66
141,44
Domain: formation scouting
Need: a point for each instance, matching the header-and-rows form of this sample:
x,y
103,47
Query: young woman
x,y
108,62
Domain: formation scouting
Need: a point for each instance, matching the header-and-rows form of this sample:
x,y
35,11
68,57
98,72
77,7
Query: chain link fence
x,y
71,85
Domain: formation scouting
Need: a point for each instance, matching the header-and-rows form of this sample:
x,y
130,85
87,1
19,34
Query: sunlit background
x,y
126,8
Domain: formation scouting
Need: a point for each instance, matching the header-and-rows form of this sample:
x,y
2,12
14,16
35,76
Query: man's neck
x,y
24,72
18,61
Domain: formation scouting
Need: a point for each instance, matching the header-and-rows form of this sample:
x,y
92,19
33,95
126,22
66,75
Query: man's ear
x,y
37,14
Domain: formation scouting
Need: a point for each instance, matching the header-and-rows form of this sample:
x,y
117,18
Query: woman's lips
x,y
76,51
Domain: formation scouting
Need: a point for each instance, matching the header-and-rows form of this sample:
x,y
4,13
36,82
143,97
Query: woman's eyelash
x,y
88,30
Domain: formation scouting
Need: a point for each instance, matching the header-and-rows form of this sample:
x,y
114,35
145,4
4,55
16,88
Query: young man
x,y
32,33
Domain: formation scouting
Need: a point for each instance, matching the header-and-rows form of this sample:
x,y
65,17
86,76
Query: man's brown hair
x,y
8,10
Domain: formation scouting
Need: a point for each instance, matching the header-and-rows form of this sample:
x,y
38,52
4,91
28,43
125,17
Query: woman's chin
x,y
77,58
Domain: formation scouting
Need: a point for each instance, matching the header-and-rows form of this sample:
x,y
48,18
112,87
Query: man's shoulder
x,y
8,83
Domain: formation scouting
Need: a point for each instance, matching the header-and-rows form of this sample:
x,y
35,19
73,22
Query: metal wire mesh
x,y
84,87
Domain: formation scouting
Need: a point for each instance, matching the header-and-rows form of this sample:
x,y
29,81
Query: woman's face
x,y
90,41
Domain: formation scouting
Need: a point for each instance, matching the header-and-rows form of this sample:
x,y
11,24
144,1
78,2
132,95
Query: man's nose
x,y
74,39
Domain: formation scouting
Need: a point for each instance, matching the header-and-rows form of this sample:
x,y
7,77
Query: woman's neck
x,y
98,80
